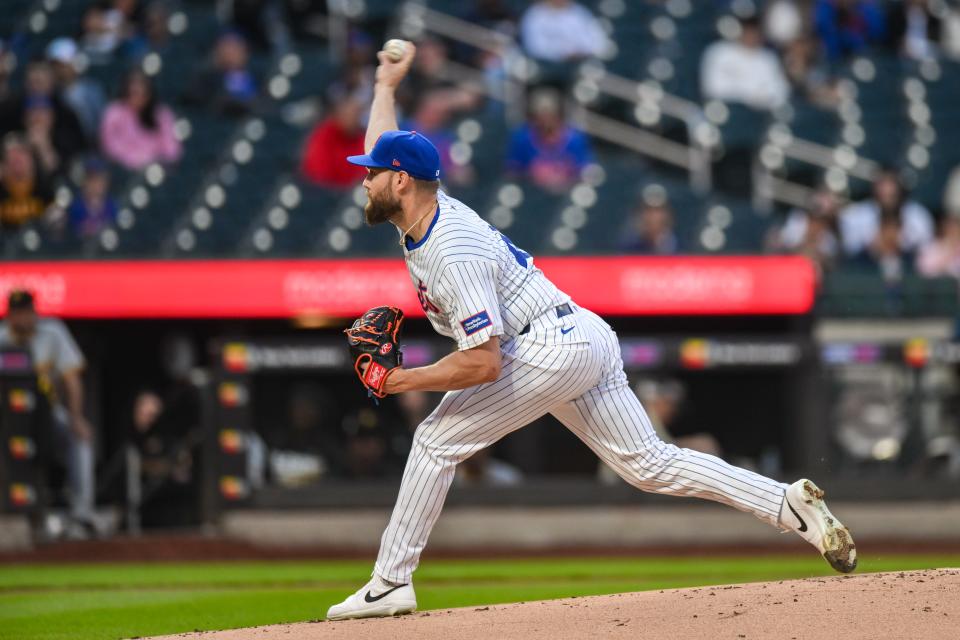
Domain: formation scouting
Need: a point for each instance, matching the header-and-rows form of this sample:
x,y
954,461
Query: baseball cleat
x,y
377,599
818,526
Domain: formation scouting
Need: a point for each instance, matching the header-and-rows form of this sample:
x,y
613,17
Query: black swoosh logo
x,y
803,525
369,597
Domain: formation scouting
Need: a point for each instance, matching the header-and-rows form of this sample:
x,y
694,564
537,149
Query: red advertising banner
x,y
345,288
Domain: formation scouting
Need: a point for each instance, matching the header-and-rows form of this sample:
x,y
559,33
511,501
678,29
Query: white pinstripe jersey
x,y
472,282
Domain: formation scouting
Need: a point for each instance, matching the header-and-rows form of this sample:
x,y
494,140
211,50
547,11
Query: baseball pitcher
x,y
524,349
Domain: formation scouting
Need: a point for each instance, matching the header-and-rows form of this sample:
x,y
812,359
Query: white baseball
x,y
395,49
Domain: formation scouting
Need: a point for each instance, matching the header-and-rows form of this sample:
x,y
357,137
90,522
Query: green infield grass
x,y
126,600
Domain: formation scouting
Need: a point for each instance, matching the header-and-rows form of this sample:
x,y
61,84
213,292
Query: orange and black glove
x,y
374,341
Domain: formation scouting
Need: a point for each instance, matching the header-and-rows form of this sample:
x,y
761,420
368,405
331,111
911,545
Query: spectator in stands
x,y
496,15
886,254
308,18
57,129
546,150
311,408
811,230
137,130
429,74
82,95
651,230
414,407
561,31
302,442
38,122
235,88
663,402
860,222
357,71
800,52
950,36
99,39
167,433
483,470
92,209
153,34
25,193
108,24
369,449
744,71
339,135
807,74
10,101
227,86
913,29
8,63
360,54
156,26
848,27
782,23
942,257
432,119
59,365
951,193
262,21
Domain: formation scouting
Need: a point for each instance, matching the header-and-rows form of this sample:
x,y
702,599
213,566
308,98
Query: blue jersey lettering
x,y
523,258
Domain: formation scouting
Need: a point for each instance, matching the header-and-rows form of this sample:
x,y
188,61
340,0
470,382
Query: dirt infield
x,y
921,605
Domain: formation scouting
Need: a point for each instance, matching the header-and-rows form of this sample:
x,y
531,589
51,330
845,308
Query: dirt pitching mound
x,y
920,605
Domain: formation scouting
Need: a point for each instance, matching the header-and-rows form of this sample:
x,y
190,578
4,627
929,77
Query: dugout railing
x,y
816,383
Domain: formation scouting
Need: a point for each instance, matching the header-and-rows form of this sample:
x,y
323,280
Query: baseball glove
x,y
374,340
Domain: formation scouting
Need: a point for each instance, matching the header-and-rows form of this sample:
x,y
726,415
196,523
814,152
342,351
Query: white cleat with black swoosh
x,y
377,599
806,513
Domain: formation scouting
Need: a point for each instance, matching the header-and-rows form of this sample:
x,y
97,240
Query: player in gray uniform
x,y
525,349
59,365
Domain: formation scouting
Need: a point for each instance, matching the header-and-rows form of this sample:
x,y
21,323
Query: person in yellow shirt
x,y
24,193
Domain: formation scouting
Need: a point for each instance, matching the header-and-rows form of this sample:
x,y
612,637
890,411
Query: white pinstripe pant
x,y
578,377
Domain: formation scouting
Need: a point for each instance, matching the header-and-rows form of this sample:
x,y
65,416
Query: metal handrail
x,y
457,29
826,157
512,91
768,188
473,78
695,156
632,137
628,89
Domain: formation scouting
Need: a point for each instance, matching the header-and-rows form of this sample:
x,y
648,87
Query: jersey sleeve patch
x,y
476,322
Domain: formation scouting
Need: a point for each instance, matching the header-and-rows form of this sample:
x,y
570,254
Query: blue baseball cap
x,y
402,151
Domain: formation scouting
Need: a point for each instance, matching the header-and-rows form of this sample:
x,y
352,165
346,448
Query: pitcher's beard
x,y
380,209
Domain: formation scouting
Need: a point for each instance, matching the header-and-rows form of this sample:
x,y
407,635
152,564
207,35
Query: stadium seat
x,y
814,123
300,231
